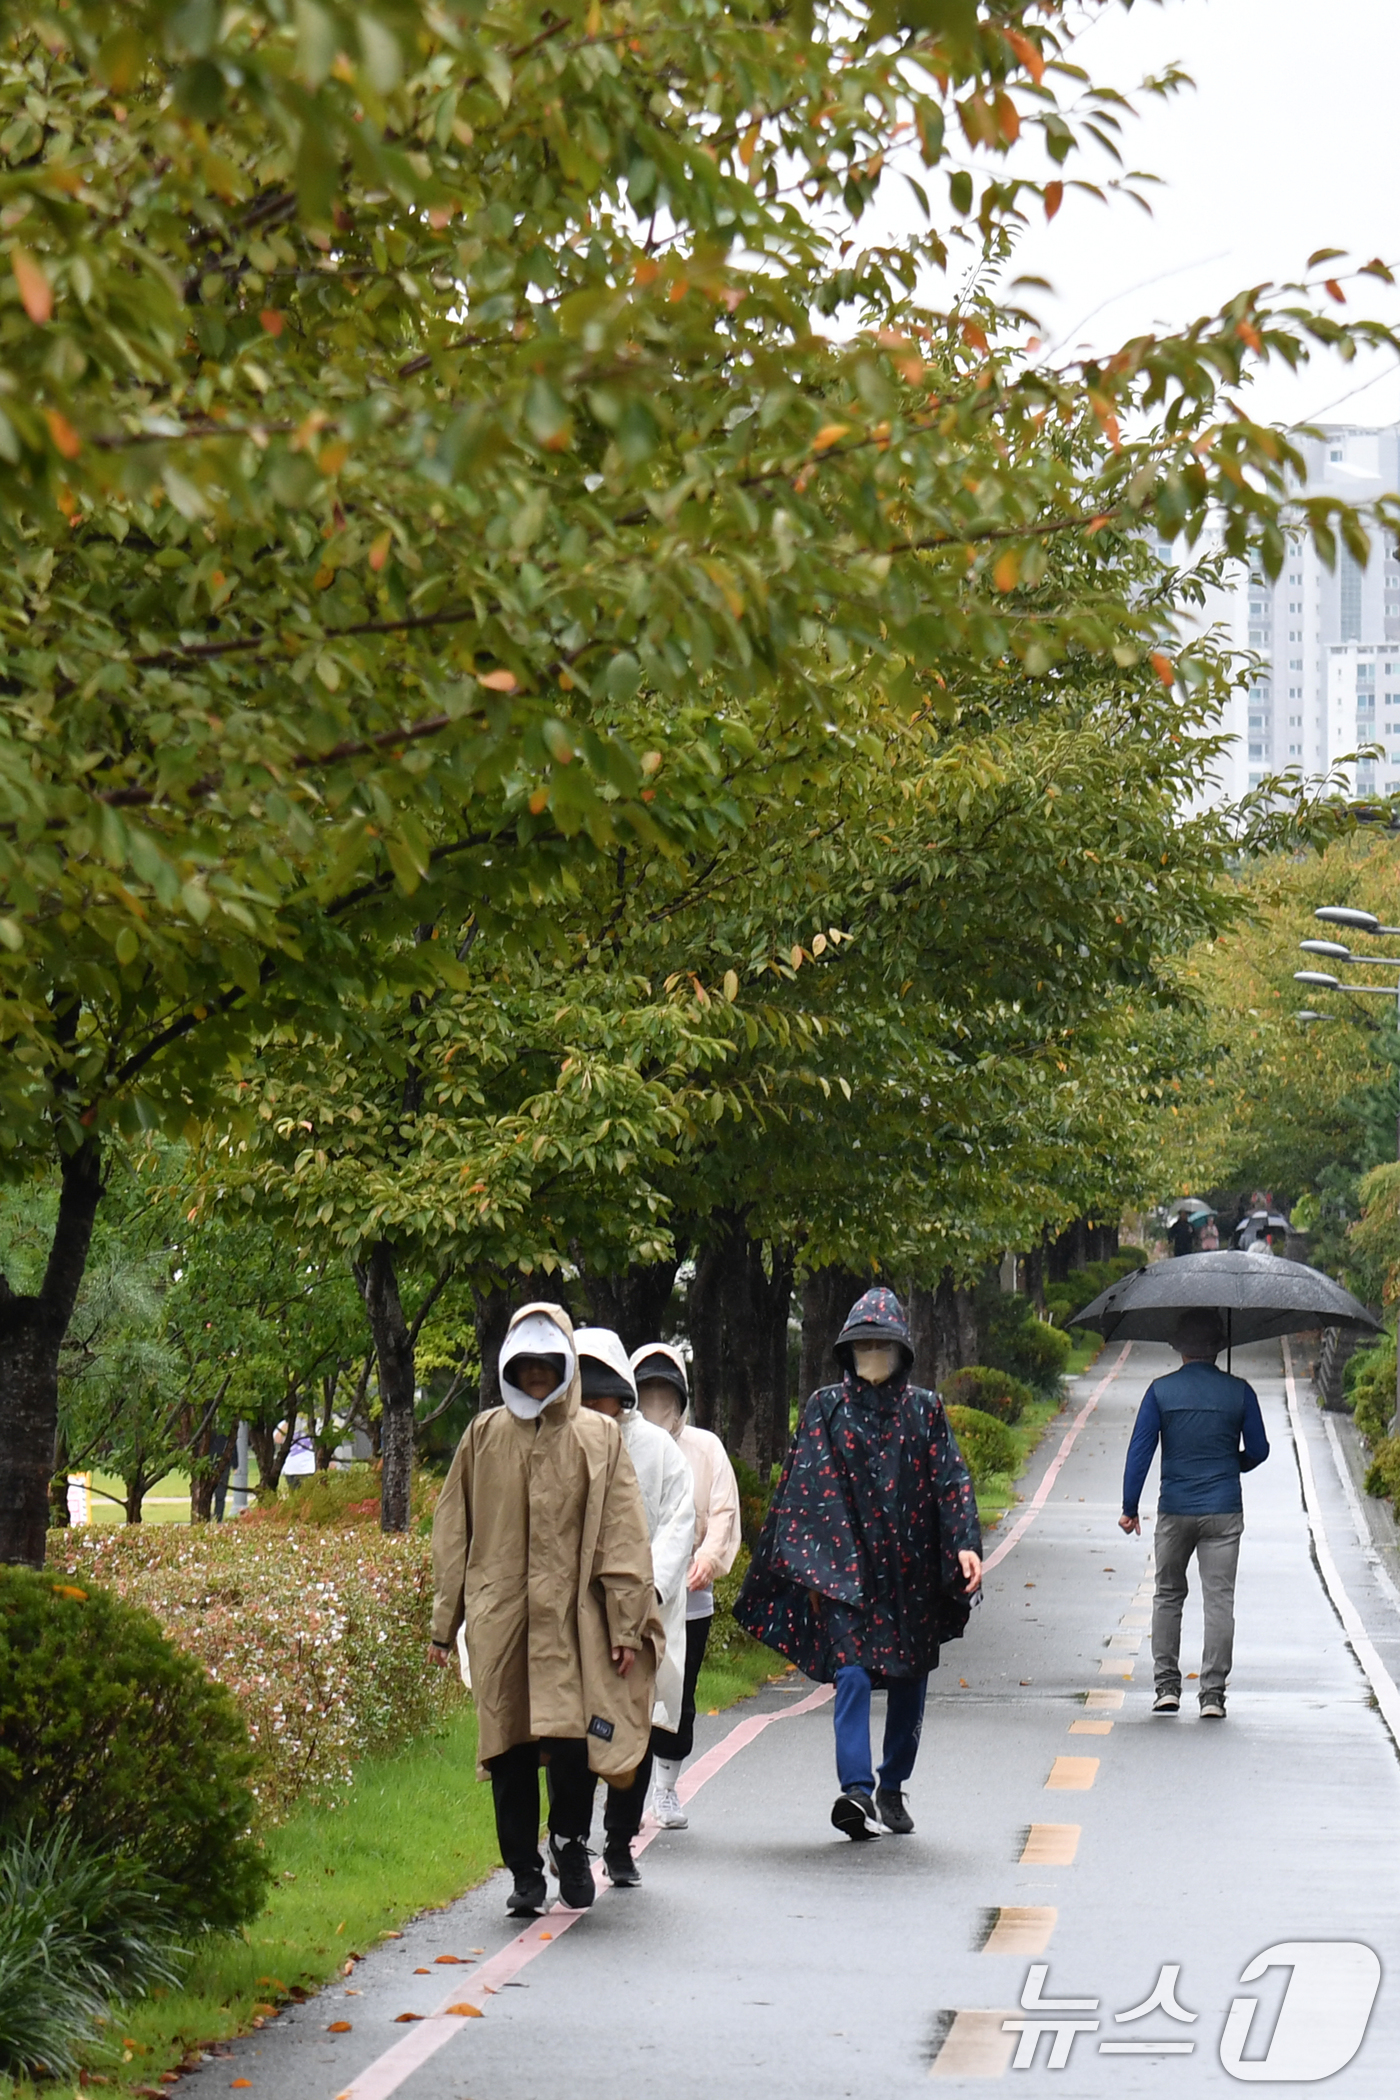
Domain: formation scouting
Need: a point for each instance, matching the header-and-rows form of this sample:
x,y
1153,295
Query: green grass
x,y
413,1833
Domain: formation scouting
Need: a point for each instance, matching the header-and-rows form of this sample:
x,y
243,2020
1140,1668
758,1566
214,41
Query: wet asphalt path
x,y
765,1956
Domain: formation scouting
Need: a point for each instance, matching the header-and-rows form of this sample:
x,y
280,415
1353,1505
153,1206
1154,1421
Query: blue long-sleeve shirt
x,y
1210,1430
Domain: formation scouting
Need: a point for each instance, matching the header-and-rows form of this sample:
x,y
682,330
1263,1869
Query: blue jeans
x,y
904,1721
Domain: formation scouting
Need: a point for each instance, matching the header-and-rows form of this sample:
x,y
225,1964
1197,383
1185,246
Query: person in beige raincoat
x,y
540,1546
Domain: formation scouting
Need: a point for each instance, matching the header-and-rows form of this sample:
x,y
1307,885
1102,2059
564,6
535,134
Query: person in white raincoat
x,y
663,1395
668,1495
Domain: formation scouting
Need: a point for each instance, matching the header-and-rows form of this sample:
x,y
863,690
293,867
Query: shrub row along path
x,y
1061,1828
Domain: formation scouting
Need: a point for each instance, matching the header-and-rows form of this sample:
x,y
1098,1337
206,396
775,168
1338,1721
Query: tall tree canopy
x,y
442,447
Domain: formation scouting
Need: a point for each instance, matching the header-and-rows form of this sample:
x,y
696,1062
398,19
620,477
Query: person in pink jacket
x,y
663,1395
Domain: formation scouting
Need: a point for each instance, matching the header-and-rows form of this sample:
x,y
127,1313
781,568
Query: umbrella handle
x,y
1229,1345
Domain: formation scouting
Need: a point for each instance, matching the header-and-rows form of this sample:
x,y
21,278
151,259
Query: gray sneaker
x,y
1167,1703
1213,1707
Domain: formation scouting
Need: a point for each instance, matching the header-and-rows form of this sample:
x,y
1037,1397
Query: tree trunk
x,y
965,1321
31,1333
393,1348
1035,1275
633,1304
705,1322
827,1297
137,1489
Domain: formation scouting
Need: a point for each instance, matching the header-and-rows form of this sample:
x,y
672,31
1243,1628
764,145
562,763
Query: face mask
x,y
875,1361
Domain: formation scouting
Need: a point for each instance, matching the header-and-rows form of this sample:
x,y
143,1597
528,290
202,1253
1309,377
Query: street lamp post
x,y
1358,922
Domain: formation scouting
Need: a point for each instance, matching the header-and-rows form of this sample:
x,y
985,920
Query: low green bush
x,y
317,1631
1016,1340
1062,1300
1383,1474
1369,1382
77,1937
995,1392
108,1729
987,1446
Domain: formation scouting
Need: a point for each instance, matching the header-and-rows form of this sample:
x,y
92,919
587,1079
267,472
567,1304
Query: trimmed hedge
x,y
994,1392
987,1446
107,1729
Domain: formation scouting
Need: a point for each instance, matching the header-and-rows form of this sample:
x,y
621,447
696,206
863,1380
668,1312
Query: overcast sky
x,y
1286,144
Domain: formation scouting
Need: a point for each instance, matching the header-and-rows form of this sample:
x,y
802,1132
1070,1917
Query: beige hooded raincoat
x,y
540,1543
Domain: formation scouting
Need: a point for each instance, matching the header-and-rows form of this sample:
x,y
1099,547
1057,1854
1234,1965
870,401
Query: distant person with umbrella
x,y
1181,1234
1211,1431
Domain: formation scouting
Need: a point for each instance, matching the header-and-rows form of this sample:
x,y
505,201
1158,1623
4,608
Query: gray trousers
x,y
1215,1541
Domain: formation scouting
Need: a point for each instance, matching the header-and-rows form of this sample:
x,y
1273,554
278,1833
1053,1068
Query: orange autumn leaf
x,y
379,551
1054,198
1247,333
1006,571
236,2082
646,271
539,802
1164,667
66,1589
422,1972
35,291
828,435
498,681
467,2012
340,2027
453,1960
1008,119
1027,52
65,437
1330,284
399,2018
273,322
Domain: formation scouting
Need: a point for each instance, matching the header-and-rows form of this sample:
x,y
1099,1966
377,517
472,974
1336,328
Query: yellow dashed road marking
x,y
1021,1928
1051,1845
1073,1774
1103,1701
975,2047
1091,1727
1117,1666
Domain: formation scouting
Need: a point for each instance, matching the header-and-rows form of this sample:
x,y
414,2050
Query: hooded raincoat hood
x,y
660,1360
604,1347
540,1546
535,1333
876,1316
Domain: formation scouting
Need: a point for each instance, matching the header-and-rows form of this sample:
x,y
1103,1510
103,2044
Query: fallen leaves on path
x,y
399,2018
340,2027
467,2012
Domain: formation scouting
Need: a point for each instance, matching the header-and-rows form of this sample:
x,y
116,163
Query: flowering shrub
x,y
318,1632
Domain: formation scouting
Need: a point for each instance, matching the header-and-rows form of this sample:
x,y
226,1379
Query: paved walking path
x,y
1060,1826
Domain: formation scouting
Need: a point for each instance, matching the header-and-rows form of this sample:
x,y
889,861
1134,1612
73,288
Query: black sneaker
x,y
1167,1703
853,1813
619,1866
529,1896
1213,1706
571,1861
893,1814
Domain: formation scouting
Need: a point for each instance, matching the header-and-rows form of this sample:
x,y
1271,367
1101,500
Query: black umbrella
x,y
1259,1299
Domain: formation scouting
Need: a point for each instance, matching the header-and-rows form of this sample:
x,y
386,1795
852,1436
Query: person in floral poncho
x,y
869,1557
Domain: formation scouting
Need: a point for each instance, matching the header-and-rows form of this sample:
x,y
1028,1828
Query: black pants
x,y
625,1805
515,1793
682,1742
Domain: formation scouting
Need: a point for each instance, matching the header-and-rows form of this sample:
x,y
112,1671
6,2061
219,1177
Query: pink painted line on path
x,y
426,2036
1038,1500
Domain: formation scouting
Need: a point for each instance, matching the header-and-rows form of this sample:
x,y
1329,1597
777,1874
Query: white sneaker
x,y
667,1811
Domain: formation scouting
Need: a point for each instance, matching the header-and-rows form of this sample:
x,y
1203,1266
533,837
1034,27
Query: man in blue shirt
x,y
1211,1431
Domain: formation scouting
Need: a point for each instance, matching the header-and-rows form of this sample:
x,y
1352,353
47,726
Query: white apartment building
x,y
1329,639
